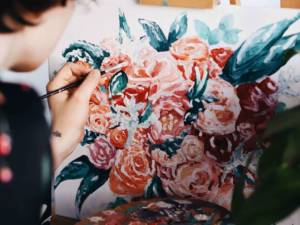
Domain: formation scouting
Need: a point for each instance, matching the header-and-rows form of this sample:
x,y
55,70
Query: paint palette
x,y
162,211
183,116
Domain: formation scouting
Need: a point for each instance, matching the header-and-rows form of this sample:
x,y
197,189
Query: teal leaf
x,y
263,54
215,36
146,114
102,88
124,27
87,52
93,180
155,35
118,202
118,82
89,137
226,22
178,28
170,146
263,39
155,189
76,169
199,86
197,97
202,29
231,36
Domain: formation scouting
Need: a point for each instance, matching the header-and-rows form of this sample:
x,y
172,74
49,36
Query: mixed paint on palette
x,y
182,117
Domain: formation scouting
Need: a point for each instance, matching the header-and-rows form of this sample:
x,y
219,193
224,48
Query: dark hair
x,y
14,10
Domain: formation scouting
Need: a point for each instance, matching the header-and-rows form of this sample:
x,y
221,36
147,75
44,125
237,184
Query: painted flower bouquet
x,y
183,116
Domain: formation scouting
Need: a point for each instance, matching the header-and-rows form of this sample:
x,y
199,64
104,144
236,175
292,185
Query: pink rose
x,y
155,70
190,48
102,154
192,148
225,191
164,160
169,106
98,120
199,180
115,60
219,117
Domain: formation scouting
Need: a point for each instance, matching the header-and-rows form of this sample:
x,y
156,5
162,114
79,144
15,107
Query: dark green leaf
x,y
199,86
118,202
118,83
146,114
156,36
170,146
124,27
155,189
87,52
284,121
275,198
94,179
89,137
178,28
263,54
74,170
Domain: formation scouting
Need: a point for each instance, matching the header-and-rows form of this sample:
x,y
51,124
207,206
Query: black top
x,y
22,119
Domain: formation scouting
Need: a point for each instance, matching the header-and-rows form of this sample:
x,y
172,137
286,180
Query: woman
x,y
29,30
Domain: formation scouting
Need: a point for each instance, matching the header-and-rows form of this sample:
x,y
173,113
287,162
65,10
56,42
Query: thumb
x,y
88,86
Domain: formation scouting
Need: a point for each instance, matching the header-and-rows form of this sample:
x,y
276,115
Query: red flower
x,y
118,137
258,102
221,55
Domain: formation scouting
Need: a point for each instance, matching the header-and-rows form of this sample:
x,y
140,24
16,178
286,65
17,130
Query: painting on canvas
x,y
182,116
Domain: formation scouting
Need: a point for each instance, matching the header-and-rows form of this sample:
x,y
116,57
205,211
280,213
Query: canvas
x,y
182,117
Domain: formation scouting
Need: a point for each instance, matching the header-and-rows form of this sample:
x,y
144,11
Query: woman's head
x,y
29,30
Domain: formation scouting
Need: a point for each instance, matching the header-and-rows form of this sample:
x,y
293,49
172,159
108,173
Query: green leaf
x,y
156,36
146,114
178,28
89,137
274,199
118,82
170,146
226,22
202,29
118,202
291,158
155,189
93,180
215,36
124,27
231,36
281,107
199,86
76,169
284,121
262,54
87,52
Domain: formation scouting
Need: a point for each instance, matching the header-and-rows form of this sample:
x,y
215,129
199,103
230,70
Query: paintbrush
x,y
77,83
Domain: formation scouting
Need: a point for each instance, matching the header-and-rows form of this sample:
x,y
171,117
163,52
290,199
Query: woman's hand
x,y
70,108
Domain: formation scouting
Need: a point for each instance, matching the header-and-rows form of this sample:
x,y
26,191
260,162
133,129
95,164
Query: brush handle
x,y
67,87
59,90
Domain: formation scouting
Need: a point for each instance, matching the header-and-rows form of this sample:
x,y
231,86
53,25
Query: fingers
x,y
90,83
69,73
